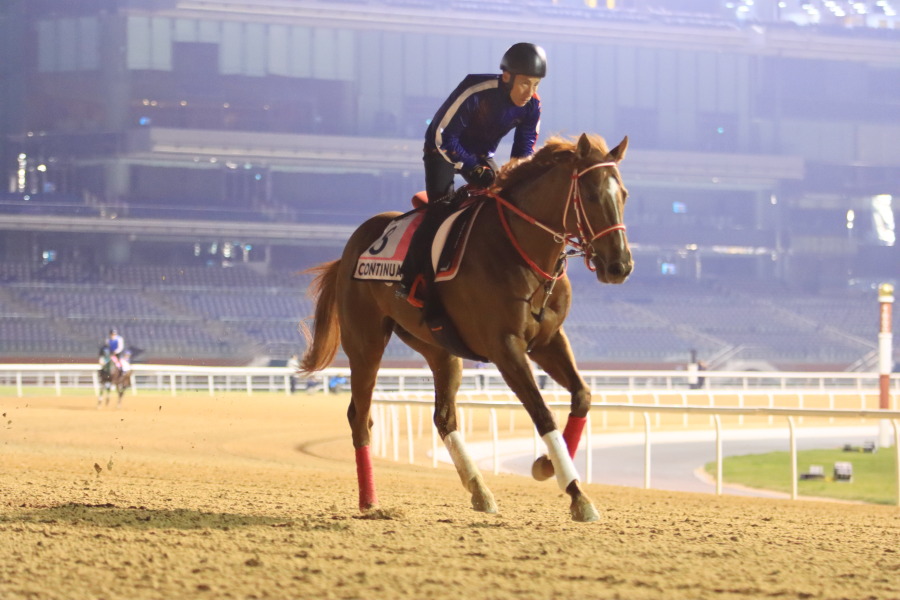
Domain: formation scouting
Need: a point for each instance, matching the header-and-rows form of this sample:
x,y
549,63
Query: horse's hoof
x,y
485,504
482,498
542,469
483,501
583,510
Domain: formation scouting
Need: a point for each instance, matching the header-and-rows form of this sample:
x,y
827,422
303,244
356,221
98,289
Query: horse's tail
x,y
322,345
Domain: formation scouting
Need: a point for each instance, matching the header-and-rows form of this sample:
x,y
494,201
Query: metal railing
x,y
177,378
388,425
735,394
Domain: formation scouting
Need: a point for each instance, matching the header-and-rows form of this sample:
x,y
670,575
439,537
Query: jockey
x,y
465,132
116,346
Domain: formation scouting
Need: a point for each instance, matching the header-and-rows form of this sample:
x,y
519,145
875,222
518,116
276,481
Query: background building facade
x,y
764,137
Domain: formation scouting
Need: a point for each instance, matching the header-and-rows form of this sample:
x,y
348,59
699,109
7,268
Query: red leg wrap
x,y
365,479
572,433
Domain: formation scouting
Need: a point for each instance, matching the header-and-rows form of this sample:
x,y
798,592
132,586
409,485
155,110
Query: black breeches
x,y
439,186
438,176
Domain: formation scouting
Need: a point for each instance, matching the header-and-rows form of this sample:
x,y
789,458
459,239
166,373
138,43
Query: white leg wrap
x,y
461,459
559,456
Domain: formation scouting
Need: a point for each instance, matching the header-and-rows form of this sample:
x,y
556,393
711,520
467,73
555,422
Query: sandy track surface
x,y
242,496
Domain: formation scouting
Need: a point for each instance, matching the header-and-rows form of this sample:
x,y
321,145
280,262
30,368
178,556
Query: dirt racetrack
x,y
254,496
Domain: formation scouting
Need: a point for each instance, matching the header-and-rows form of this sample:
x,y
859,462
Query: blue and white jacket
x,y
115,344
475,117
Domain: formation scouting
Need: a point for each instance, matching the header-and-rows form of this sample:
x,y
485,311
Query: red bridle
x,y
582,241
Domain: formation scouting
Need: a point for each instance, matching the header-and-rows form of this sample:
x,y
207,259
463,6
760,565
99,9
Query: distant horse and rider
x,y
115,368
505,303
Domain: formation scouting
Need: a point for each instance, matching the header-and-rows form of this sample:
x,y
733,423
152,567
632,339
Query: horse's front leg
x,y
517,374
447,371
557,360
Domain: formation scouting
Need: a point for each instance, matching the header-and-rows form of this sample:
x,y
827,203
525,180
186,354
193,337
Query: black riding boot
x,y
418,257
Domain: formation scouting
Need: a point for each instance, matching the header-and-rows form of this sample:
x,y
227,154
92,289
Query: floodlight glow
x,y
883,216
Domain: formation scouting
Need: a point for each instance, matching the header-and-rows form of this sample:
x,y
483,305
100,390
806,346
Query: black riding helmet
x,y
525,59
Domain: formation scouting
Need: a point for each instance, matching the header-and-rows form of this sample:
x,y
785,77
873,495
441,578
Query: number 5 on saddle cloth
x,y
382,260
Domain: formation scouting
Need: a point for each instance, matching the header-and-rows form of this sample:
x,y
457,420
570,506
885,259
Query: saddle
x,y
383,259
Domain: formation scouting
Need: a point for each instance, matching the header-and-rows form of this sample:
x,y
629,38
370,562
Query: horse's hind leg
x,y
447,371
364,345
359,414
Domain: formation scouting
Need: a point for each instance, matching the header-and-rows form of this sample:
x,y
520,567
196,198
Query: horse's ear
x,y
584,147
618,153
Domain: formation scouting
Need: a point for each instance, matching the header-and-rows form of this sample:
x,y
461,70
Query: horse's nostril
x,y
616,268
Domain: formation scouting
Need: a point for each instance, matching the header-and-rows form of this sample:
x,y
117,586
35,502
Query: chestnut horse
x,y
508,303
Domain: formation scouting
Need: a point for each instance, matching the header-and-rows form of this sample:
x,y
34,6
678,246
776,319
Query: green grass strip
x,y
873,474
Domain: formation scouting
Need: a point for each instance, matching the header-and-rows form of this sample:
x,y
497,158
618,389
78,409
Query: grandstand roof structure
x,y
171,150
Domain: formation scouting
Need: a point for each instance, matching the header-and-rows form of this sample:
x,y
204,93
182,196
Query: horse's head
x,y
598,197
589,217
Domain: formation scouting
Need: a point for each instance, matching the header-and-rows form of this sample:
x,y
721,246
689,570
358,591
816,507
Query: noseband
x,y
580,242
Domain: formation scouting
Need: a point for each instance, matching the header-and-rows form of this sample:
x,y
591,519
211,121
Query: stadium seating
x,y
238,314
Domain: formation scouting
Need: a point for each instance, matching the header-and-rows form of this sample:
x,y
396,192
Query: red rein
x,y
586,233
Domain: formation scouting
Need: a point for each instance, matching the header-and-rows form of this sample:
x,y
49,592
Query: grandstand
x,y
235,315
170,167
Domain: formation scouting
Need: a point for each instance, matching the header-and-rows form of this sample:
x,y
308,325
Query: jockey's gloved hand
x,y
480,176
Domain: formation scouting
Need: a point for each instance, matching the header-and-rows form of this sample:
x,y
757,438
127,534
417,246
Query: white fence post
x,y
409,434
494,441
646,450
395,432
375,437
793,446
589,452
718,455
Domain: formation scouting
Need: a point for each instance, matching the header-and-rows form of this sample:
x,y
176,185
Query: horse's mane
x,y
555,150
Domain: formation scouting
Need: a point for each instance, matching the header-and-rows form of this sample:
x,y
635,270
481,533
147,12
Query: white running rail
x,y
386,415
176,378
